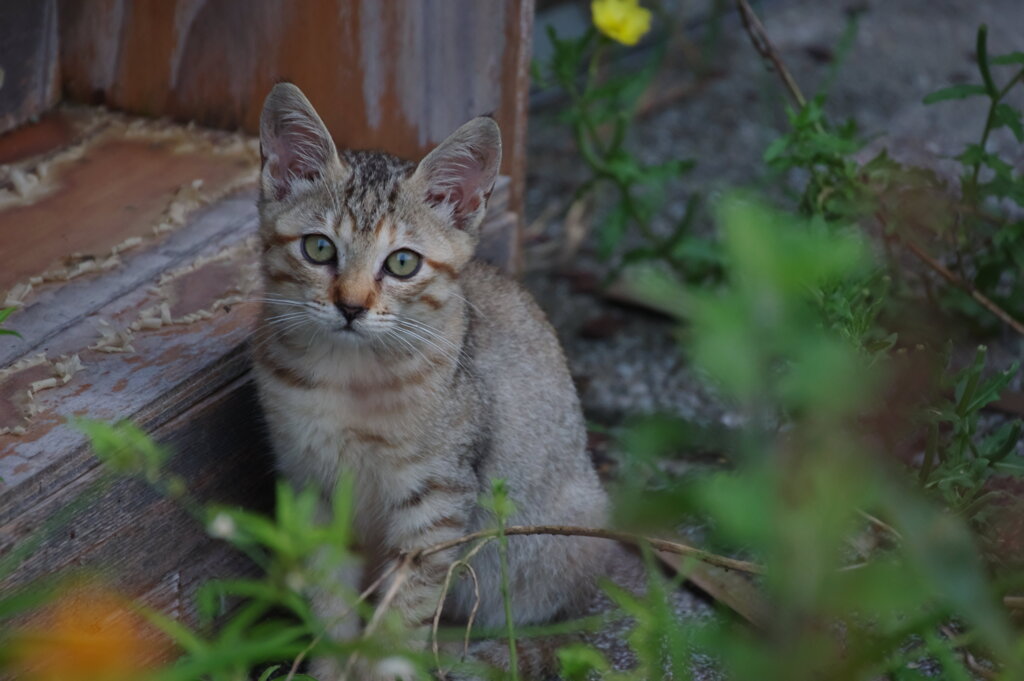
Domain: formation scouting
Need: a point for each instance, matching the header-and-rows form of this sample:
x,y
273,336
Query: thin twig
x,y
402,570
1014,602
463,562
759,39
472,612
597,533
367,592
880,524
953,279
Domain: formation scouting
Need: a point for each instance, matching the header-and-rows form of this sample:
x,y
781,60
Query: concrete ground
x,y
625,360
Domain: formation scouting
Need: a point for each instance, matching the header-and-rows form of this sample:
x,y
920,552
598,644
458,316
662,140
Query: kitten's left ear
x,y
457,177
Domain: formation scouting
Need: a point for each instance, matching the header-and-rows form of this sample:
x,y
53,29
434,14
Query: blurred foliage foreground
x,y
880,503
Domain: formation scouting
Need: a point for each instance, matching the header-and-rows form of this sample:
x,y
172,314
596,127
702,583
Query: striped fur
x,y
449,379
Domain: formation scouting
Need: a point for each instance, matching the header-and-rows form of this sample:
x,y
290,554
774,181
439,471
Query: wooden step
x,y
129,248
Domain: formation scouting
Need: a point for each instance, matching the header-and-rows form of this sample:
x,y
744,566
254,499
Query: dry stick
x,y
880,524
473,612
953,279
367,592
759,39
572,531
1014,602
463,562
402,570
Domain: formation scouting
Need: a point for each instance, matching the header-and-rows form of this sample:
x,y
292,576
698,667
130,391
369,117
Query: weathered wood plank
x,y
398,76
171,354
29,60
146,545
113,183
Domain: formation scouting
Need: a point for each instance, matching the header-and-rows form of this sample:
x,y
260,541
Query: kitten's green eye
x,y
403,264
318,249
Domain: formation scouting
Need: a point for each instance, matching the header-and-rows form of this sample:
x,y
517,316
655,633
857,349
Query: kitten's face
x,y
359,260
365,249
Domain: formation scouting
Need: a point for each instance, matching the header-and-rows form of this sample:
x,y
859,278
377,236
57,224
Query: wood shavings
x,y
185,199
112,339
16,296
128,244
28,181
22,364
62,370
244,281
159,315
36,386
67,366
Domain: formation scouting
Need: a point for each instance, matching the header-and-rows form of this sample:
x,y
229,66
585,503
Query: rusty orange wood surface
x,y
117,184
397,75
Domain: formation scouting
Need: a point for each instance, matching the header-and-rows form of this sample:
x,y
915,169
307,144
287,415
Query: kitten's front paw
x,y
325,669
393,669
388,669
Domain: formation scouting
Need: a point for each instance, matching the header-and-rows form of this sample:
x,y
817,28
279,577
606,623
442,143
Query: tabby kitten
x,y
384,351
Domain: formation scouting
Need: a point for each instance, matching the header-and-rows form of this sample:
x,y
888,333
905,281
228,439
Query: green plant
x,y
840,191
4,314
957,461
806,470
499,504
600,113
987,242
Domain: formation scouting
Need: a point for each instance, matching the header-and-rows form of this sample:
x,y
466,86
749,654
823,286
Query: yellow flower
x,y
622,20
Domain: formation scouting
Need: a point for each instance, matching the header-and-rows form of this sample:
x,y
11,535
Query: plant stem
x,y
506,597
764,46
978,296
995,99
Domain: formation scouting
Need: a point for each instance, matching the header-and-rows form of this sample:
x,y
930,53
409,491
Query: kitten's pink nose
x,y
350,312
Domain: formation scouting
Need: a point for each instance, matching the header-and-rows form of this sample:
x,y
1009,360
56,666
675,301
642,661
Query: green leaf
x,y
611,230
1011,58
775,150
1001,443
579,662
956,92
943,550
981,47
265,676
4,314
1006,115
124,447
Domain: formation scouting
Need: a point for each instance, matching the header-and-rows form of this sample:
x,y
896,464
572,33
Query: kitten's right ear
x,y
295,147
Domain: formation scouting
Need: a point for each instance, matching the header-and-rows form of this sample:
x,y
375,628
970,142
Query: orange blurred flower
x,y
88,634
